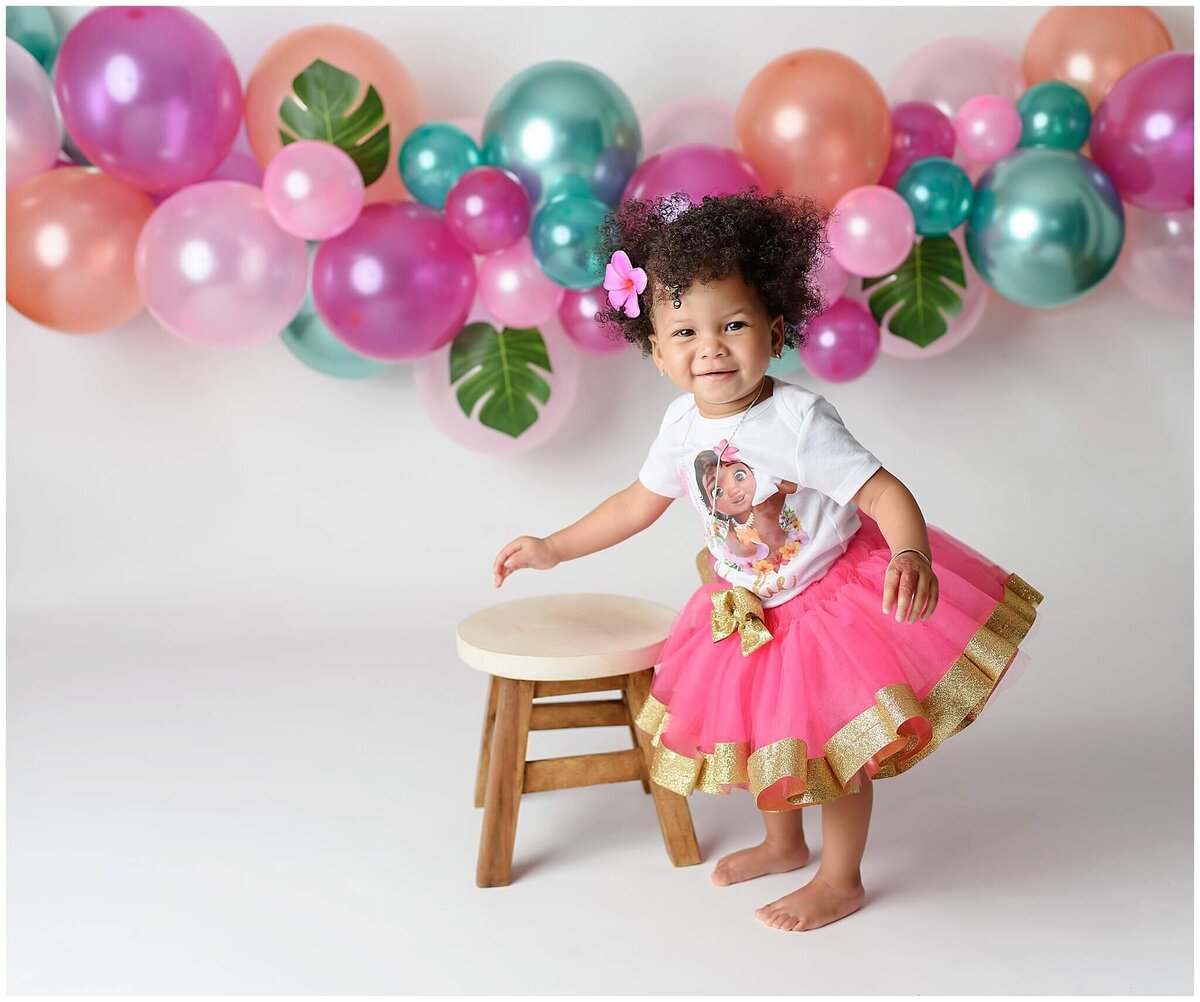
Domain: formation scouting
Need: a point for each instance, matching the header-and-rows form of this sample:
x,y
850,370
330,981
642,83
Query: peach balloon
x,y
814,122
352,52
1092,47
71,237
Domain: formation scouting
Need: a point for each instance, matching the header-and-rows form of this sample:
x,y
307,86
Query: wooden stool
x,y
560,645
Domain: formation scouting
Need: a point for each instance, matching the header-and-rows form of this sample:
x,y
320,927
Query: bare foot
x,y
815,904
746,864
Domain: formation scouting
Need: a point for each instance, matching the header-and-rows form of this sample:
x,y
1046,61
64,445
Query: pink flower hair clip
x,y
624,283
726,453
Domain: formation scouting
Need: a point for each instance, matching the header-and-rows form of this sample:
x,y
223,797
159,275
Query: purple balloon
x,y
1143,135
396,285
238,166
919,130
696,169
842,343
148,94
577,313
487,210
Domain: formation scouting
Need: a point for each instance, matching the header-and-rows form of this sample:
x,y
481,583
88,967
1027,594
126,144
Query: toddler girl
x,y
806,670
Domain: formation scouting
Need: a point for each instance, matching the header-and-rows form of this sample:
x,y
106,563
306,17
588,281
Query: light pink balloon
x,y
831,279
473,127
949,72
706,120
238,166
871,231
987,128
514,289
33,133
313,190
214,268
1157,259
431,376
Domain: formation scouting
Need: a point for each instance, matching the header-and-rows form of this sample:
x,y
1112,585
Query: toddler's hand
x,y
917,585
524,551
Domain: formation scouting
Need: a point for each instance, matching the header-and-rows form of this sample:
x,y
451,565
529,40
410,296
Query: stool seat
x,y
565,637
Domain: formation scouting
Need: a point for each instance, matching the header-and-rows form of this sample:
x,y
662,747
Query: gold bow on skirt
x,y
738,608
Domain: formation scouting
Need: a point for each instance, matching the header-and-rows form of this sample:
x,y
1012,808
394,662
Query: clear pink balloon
x,y
871,230
487,210
33,134
313,189
214,268
987,128
842,343
431,376
696,169
515,290
831,279
577,314
238,166
705,120
1158,259
473,127
396,285
919,130
149,94
949,72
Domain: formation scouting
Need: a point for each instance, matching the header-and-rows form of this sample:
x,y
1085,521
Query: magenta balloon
x,y
577,314
1143,134
871,230
514,288
313,189
32,136
919,130
487,210
697,169
149,94
214,268
396,285
842,343
238,166
1157,260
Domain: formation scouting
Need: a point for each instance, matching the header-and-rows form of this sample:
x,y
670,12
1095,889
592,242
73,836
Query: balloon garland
x,y
468,248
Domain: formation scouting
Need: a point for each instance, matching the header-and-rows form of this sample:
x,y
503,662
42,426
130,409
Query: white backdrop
x,y
236,718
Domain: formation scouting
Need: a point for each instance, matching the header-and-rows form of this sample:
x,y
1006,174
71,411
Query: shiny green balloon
x,y
1054,114
939,193
1045,226
34,30
566,241
434,156
564,129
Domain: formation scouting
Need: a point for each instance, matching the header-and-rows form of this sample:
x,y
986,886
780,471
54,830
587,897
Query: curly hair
x,y
775,242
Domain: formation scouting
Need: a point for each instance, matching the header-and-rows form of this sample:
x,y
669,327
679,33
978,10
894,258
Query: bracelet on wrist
x,y
912,549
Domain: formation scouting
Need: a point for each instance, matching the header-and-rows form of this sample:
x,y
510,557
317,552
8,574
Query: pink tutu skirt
x,y
841,689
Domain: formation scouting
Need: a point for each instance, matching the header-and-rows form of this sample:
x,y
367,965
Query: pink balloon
x,y
871,231
1157,259
577,314
949,72
33,135
213,268
695,169
842,343
238,166
919,130
313,189
514,288
487,210
689,120
431,376
473,127
831,279
396,285
987,128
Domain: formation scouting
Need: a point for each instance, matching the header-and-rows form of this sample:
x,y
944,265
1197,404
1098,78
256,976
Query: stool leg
x,y
634,734
674,818
485,746
506,773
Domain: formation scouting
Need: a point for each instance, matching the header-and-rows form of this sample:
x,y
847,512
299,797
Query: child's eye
x,y
738,322
740,476
684,330
718,493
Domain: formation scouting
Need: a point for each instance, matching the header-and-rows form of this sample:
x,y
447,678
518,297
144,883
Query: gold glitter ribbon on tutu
x,y
739,609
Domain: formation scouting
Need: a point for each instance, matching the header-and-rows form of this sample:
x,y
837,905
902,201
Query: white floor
x,y
189,812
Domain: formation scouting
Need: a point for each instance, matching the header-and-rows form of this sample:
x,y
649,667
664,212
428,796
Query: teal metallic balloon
x,y
939,193
1054,114
564,129
1045,226
34,30
566,241
433,157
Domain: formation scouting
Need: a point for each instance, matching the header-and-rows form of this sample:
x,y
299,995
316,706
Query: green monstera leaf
x,y
501,368
320,109
924,287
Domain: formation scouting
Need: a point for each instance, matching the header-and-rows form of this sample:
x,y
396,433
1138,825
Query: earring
x,y
662,372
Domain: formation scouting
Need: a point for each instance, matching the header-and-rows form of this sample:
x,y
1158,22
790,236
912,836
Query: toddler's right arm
x,y
624,514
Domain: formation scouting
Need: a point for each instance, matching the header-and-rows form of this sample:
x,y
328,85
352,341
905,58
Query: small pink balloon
x,y
987,128
33,135
487,210
842,343
1157,259
949,72
831,279
871,231
214,269
689,120
238,166
313,189
919,130
696,169
514,288
577,314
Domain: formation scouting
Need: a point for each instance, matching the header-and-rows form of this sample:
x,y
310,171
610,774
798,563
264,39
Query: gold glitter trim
x,y
884,740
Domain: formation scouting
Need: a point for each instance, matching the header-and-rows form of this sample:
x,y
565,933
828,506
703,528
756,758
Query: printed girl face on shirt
x,y
733,495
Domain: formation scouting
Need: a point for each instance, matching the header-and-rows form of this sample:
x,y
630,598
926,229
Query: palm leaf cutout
x,y
503,372
319,110
924,289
